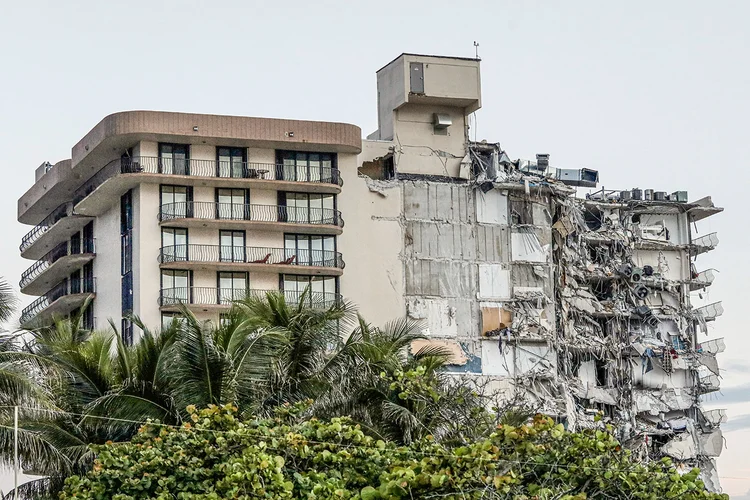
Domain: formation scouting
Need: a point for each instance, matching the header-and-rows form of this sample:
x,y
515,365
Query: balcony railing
x,y
43,227
203,295
231,170
255,213
66,287
208,168
706,242
711,311
62,250
250,255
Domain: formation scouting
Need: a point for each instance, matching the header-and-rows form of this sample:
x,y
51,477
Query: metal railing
x,y
255,213
250,255
207,168
62,250
203,295
708,241
41,228
231,169
711,311
65,287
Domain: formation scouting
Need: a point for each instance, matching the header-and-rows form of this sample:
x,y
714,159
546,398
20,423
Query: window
x,y
75,282
306,167
232,286
175,286
168,318
231,162
174,244
176,202
309,208
225,319
174,159
310,250
322,288
126,266
232,246
232,203
88,238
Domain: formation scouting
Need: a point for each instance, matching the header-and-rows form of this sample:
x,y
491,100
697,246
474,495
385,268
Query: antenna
x,y
476,50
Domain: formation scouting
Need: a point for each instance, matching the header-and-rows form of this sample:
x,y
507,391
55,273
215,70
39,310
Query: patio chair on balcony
x,y
264,260
288,261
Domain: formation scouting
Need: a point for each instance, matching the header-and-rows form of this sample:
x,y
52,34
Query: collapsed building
x,y
580,304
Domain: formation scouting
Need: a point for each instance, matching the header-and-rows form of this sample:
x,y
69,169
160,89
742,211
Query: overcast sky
x,y
651,94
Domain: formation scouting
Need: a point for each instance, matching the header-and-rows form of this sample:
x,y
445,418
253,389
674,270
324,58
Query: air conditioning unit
x,y
583,177
442,121
655,232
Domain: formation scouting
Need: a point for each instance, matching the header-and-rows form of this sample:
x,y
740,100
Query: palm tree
x,y
77,387
88,388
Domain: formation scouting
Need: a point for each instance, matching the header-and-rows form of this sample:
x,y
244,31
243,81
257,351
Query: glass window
x,y
175,286
174,202
310,208
232,286
174,244
231,162
231,203
168,318
174,159
232,246
323,288
310,250
306,167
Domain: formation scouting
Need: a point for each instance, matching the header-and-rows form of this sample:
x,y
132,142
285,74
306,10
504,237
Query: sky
x,y
650,94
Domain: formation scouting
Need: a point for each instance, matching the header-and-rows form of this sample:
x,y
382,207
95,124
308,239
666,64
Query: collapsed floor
x,y
583,305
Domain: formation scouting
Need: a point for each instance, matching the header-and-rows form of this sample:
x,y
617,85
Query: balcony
x,y
267,217
212,298
715,346
711,311
56,265
59,301
119,175
58,225
228,258
703,244
702,280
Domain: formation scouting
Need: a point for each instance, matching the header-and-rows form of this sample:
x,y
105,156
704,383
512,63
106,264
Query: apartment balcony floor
x,y
213,299
54,273
250,216
273,260
41,239
59,307
96,195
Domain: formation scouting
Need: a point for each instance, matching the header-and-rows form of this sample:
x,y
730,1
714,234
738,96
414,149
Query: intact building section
x,y
186,210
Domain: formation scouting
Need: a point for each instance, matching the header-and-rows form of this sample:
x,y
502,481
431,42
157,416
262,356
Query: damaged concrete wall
x,y
372,241
577,306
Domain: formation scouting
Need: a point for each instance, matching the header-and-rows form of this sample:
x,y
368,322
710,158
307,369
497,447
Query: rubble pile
x,y
625,341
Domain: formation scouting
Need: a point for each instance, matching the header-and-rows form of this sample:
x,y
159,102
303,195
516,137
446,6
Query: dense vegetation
x,y
77,388
218,456
291,408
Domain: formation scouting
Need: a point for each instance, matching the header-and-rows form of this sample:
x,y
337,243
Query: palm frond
x,y
8,300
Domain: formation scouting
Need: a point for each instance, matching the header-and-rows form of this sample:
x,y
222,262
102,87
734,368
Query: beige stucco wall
x,y
370,244
107,304
420,150
146,245
147,148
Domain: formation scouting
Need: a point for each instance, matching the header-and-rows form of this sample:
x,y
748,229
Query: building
x,y
155,209
577,304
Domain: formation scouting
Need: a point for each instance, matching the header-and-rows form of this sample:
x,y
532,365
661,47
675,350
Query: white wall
x,y
108,304
371,242
146,247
